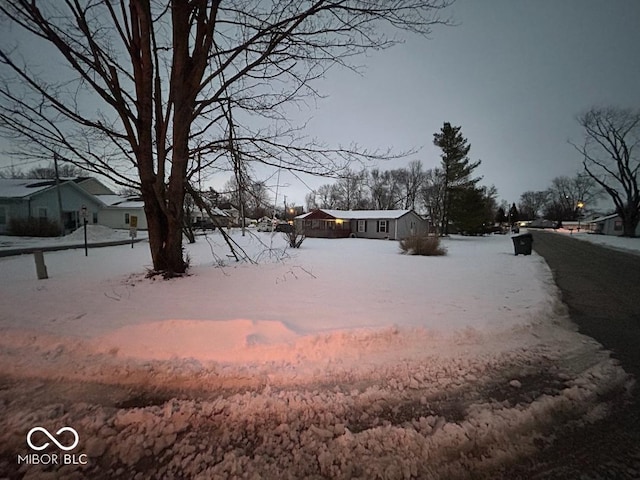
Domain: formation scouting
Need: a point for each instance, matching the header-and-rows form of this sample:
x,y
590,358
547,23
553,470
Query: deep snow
x,y
343,359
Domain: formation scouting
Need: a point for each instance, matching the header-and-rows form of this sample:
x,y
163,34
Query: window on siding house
x,y
3,216
42,213
95,217
382,226
307,224
126,218
362,226
617,226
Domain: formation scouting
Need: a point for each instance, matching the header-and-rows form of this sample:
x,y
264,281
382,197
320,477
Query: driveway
x,y
601,287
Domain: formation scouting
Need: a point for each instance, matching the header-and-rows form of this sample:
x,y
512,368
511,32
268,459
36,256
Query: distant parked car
x,y
265,227
204,224
284,227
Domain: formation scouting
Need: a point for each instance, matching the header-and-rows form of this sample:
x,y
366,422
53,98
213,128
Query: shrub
x,y
422,245
295,236
33,227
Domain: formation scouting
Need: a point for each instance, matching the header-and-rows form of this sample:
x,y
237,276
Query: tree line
x,y
448,194
611,167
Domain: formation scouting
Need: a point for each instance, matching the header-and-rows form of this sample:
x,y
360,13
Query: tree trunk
x,y
165,234
630,222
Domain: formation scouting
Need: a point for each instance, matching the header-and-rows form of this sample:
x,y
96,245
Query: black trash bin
x,y
522,243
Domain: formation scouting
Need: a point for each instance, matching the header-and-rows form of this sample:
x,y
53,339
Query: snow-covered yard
x,y
343,359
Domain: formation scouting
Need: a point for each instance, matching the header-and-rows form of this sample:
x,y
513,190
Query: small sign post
x,y
83,214
133,228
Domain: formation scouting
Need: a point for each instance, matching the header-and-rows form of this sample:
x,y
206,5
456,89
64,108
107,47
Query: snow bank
x,y
343,359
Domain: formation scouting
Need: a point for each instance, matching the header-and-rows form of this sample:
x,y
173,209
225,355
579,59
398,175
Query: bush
x,y
33,227
422,245
295,236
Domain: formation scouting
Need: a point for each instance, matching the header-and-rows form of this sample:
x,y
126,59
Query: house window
x,y
95,217
3,216
42,213
382,226
617,226
362,226
307,224
126,218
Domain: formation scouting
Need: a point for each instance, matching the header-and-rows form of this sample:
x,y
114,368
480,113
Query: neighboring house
x,y
24,199
390,224
232,213
609,225
202,219
118,211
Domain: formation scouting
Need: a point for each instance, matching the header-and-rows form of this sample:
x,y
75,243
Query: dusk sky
x,y
513,74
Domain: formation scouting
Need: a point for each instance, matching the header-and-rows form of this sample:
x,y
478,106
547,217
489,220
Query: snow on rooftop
x,y
18,188
361,214
110,200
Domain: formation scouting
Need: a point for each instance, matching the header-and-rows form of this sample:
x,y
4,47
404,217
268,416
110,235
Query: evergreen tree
x,y
514,216
469,213
456,167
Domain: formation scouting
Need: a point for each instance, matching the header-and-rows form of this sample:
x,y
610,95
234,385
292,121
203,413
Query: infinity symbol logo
x,y
52,438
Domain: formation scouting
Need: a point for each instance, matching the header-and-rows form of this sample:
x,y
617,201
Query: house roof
x,y
120,201
129,204
27,187
23,187
110,200
360,214
602,219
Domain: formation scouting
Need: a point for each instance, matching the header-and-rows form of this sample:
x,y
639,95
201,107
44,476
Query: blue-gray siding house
x,y
37,198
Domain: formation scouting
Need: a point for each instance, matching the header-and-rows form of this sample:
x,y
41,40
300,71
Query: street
x,y
601,288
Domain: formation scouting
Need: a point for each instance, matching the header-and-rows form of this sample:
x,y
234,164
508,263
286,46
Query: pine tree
x,y
456,167
514,216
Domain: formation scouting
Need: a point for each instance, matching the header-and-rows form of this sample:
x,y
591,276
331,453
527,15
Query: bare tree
x,y
150,81
350,191
531,204
567,196
310,201
255,198
413,179
610,157
432,194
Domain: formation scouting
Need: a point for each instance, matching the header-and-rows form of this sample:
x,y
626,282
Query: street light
x,y
580,206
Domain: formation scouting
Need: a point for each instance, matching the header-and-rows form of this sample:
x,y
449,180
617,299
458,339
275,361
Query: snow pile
x,y
344,359
625,244
95,234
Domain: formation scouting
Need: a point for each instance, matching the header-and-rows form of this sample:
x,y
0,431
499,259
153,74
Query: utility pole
x,y
61,214
285,208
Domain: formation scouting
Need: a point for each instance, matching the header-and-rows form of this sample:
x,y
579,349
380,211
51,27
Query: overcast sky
x,y
513,74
